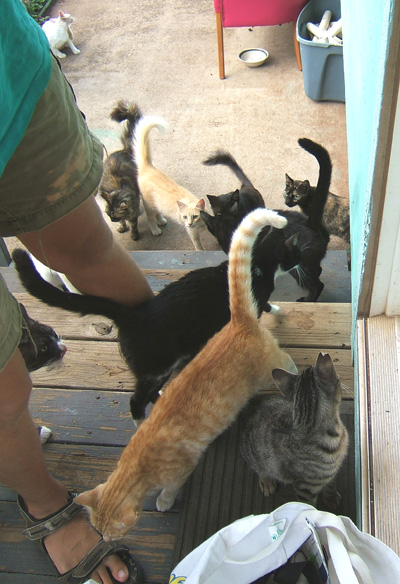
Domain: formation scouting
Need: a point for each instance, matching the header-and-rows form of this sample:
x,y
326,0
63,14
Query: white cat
x,y
59,33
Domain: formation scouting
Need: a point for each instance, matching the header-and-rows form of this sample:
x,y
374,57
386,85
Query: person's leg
x,y
82,246
22,468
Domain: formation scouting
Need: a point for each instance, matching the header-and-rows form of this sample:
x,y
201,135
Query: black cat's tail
x,y
129,111
81,303
315,217
225,158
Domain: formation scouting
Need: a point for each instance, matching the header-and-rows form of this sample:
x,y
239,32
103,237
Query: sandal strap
x,y
90,562
39,529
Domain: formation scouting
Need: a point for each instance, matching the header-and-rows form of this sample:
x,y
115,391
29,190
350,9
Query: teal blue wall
x,y
366,32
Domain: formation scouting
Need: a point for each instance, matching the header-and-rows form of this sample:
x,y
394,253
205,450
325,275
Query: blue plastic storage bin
x,y
322,63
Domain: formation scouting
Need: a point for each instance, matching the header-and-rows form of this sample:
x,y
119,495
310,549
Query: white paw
x,y
164,504
275,309
76,51
44,434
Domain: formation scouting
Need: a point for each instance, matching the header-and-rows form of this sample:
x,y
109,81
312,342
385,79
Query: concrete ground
x,y
163,55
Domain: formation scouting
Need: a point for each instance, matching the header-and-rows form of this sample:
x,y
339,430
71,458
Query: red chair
x,y
238,13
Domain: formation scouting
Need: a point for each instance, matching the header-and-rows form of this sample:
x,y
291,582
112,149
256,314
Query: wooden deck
x,y
86,403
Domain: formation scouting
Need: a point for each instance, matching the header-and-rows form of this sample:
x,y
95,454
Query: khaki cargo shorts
x,y
55,168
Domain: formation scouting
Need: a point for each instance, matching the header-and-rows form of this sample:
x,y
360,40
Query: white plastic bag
x,y
256,545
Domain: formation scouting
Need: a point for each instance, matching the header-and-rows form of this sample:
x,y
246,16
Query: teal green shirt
x,y
25,67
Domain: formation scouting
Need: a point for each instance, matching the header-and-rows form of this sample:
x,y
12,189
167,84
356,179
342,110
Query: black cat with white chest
x,y
163,334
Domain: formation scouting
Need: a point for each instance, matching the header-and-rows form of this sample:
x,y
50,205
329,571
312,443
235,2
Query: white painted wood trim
x,y
379,426
386,288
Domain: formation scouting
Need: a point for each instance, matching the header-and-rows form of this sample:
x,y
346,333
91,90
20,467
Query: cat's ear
x,y
201,204
61,14
305,184
293,241
289,180
284,381
90,498
325,369
213,200
181,205
105,196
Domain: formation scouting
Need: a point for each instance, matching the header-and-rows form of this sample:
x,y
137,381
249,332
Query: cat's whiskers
x,y
347,389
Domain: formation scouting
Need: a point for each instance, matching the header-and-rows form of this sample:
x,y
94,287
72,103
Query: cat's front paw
x,y
268,486
75,51
164,503
275,309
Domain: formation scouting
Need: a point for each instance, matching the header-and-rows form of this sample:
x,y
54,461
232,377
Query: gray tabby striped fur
x,y
298,438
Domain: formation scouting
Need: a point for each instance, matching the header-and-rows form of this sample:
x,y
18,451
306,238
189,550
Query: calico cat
x,y
40,345
59,33
160,336
198,405
161,195
242,200
312,234
297,438
119,186
336,213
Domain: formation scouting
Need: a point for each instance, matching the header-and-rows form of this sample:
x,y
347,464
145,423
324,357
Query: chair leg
x,y
297,47
220,41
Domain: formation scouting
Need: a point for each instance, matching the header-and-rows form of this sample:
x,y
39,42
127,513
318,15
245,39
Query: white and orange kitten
x,y
198,405
59,34
162,197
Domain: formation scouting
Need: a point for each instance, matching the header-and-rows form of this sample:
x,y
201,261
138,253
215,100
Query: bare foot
x,y
70,544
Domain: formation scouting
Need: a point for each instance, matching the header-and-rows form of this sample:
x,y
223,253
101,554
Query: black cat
x,y
163,334
40,345
313,237
119,186
240,201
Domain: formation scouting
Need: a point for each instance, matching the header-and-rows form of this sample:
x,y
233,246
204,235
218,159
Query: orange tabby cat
x,y
198,405
161,195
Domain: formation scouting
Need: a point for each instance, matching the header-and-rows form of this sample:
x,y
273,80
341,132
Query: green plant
x,y
37,8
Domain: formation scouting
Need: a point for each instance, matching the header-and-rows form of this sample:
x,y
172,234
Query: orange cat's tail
x,y
242,303
140,144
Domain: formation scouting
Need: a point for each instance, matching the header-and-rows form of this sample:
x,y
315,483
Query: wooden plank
x,y
83,417
89,365
151,542
384,420
96,365
322,326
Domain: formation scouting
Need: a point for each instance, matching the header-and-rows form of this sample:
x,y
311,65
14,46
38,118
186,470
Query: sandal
x,y
39,529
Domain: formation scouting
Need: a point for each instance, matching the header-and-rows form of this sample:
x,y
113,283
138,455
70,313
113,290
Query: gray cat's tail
x,y
226,159
140,143
130,112
242,303
81,303
315,217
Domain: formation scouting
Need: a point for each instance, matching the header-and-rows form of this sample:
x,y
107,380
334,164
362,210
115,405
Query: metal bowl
x,y
253,57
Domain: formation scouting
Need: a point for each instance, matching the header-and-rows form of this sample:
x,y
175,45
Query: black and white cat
x,y
59,34
160,336
313,237
40,345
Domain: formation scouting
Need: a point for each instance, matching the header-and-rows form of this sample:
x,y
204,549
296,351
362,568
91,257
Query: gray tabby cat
x,y
336,212
298,438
